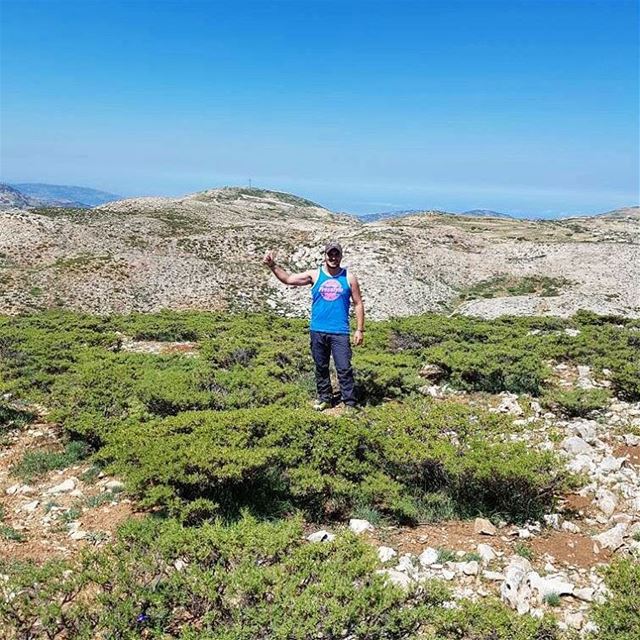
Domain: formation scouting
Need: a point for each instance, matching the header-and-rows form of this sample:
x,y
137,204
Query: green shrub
x,y
619,617
251,580
392,459
577,402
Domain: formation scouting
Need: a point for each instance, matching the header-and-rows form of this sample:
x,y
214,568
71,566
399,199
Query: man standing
x,y
332,290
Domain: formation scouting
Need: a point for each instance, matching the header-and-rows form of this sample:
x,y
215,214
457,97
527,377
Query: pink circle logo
x,y
330,290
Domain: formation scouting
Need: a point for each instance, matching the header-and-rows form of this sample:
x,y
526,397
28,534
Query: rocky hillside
x,y
204,251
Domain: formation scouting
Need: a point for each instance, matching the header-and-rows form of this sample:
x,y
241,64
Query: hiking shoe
x,y
321,405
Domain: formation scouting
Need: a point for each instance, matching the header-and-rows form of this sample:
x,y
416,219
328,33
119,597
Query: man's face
x,y
333,258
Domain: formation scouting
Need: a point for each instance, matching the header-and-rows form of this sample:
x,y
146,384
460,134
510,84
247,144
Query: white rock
x,y
585,594
114,485
470,568
574,620
78,534
631,439
524,533
613,538
12,490
610,463
30,507
606,501
428,557
321,536
510,405
576,445
386,553
484,526
396,577
360,526
486,552
179,564
548,586
448,575
63,487
553,520
570,527
493,575
405,563
572,332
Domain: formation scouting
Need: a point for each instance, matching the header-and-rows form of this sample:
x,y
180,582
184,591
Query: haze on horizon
x,y
523,106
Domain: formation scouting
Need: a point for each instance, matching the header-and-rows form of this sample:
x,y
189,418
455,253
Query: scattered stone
x,y
606,501
547,586
576,445
486,552
613,538
114,485
483,526
360,526
321,536
510,405
63,487
406,564
30,507
428,557
386,553
493,575
570,527
585,594
396,577
78,534
574,620
553,520
448,575
470,568
179,564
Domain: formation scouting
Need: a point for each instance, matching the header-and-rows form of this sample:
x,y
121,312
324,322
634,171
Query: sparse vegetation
x,y
224,450
512,286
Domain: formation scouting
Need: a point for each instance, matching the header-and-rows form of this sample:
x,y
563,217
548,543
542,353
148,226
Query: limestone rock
x,y
360,526
483,526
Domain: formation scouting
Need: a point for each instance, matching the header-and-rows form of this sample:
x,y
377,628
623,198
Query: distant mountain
x,y
205,251
65,195
479,213
485,213
625,212
13,198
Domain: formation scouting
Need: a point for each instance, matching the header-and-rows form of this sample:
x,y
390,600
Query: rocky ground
x,y
204,251
548,565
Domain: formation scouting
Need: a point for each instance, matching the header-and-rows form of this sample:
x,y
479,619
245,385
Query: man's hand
x,y
358,338
270,259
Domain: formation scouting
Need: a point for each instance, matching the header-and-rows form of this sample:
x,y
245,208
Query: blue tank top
x,y
331,297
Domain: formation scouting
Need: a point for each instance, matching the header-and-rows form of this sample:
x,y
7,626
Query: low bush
x,y
392,459
247,581
618,618
577,402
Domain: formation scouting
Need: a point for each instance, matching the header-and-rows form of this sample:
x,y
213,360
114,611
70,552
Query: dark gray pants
x,y
324,345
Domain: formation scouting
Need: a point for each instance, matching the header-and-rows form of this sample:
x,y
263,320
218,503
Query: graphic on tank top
x,y
330,290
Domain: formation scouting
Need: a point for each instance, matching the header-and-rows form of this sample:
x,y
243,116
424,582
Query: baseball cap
x,y
330,246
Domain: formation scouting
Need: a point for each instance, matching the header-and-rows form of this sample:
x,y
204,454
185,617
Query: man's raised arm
x,y
295,279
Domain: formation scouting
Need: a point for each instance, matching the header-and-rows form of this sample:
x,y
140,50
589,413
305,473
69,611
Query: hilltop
x,y
64,195
204,251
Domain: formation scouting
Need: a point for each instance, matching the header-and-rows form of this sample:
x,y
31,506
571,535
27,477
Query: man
x,y
332,290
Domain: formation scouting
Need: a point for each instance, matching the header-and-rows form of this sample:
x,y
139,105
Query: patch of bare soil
x,y
632,453
559,547
39,523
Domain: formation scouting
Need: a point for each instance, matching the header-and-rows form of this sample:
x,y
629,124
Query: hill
x,y
65,195
204,251
13,198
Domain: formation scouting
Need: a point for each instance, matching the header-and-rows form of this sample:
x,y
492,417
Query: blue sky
x,y
524,106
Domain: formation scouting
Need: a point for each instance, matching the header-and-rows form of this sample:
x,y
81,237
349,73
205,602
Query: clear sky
x,y
523,106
